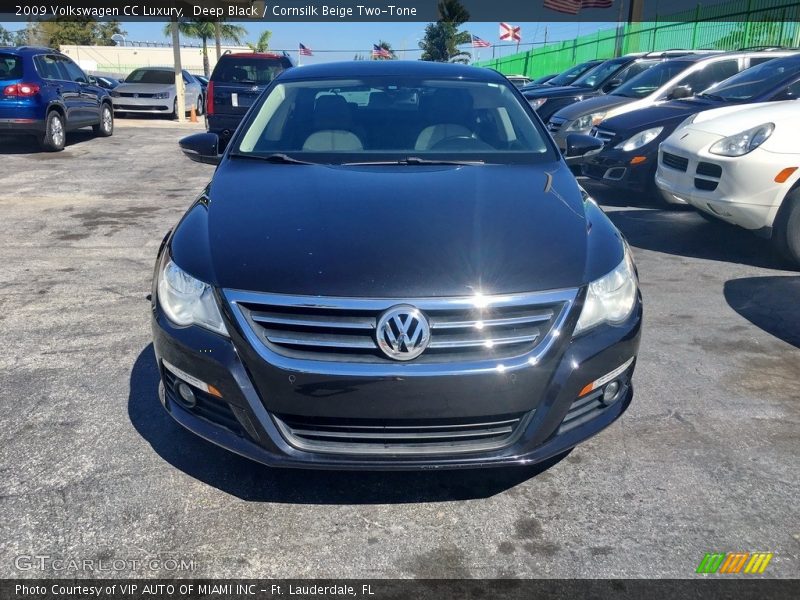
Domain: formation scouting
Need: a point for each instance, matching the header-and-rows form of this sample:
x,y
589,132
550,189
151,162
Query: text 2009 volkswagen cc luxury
x,y
393,268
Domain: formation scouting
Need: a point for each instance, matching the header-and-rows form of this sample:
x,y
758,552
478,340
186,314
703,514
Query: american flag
x,y
305,51
571,7
479,43
510,33
380,52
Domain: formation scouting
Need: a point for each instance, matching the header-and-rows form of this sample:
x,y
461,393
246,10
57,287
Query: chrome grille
x,y
603,134
372,436
343,330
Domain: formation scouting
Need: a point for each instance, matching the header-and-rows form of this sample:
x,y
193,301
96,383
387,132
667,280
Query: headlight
x,y
186,300
611,298
640,139
586,122
536,103
744,142
161,95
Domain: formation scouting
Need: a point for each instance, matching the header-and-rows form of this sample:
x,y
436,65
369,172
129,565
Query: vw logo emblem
x,y
403,332
136,95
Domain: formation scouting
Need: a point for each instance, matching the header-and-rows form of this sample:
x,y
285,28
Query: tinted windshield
x,y
391,118
151,76
10,67
599,74
248,70
652,79
749,83
570,75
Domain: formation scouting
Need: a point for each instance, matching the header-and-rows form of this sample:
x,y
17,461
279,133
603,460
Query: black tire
x,y
175,110
105,128
199,110
786,235
55,133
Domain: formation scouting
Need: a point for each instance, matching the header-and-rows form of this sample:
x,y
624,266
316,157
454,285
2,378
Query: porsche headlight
x,y
640,139
586,122
186,300
611,298
536,103
744,142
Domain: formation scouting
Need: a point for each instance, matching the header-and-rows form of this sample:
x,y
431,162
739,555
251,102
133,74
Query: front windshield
x,y
652,79
747,84
392,119
599,74
570,75
151,76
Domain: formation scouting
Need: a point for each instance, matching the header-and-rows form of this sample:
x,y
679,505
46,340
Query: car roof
x,y
27,50
419,68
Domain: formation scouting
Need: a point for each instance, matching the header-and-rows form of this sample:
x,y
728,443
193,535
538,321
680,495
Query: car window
x,y
158,76
570,75
253,71
633,70
652,79
391,118
10,67
710,74
74,72
47,67
755,80
599,74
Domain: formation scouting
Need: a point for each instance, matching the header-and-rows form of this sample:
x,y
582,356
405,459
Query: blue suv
x,y
44,94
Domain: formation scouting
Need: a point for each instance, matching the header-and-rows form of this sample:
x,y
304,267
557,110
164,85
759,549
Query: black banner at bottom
x,y
706,588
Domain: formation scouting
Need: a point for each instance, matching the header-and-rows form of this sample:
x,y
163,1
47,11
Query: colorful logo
x,y
735,562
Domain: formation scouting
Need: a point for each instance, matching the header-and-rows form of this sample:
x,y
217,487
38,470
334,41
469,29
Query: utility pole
x,y
180,96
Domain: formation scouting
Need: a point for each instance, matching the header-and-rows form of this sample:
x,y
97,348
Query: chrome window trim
x,y
406,369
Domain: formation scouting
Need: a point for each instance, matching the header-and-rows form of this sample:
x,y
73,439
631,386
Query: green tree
x,y
204,31
262,45
55,33
385,46
106,30
6,37
443,38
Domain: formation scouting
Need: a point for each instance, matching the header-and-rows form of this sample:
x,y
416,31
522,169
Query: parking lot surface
x,y
92,468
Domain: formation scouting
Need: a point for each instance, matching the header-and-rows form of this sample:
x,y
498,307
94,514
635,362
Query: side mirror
x,y
579,145
682,91
612,85
202,148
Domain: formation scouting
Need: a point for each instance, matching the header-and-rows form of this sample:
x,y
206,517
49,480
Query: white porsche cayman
x,y
740,164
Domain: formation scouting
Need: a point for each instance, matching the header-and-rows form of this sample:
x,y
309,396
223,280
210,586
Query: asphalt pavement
x,y
93,469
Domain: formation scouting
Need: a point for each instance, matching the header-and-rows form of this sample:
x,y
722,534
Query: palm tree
x,y
262,45
452,11
443,38
204,30
385,46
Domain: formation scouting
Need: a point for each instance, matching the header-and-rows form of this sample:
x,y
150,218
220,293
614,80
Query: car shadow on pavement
x,y
769,303
27,144
251,481
686,233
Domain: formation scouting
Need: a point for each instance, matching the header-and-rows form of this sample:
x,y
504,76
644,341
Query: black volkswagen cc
x,y
393,268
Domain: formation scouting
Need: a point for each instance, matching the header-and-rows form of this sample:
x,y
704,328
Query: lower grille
x,y
371,436
344,329
709,170
208,407
706,185
673,161
583,410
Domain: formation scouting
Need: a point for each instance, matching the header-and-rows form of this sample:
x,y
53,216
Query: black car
x,y
235,84
351,290
565,78
602,79
629,157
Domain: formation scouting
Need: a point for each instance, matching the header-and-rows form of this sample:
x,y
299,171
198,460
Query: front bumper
x,y
614,169
143,105
244,421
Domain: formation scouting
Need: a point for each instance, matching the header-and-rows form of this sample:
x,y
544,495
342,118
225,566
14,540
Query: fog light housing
x,y
185,395
611,393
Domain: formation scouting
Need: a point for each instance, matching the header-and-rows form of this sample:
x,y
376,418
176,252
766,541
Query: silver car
x,y
152,90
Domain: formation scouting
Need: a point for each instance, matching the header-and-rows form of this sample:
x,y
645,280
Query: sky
x,y
348,39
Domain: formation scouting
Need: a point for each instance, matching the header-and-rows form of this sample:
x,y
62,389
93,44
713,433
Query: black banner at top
x,y
397,10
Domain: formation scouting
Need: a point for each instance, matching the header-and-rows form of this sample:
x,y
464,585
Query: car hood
x,y
733,119
664,113
557,91
398,231
145,88
592,105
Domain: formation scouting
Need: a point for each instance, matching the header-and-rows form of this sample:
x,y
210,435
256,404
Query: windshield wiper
x,y
284,159
415,160
711,96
